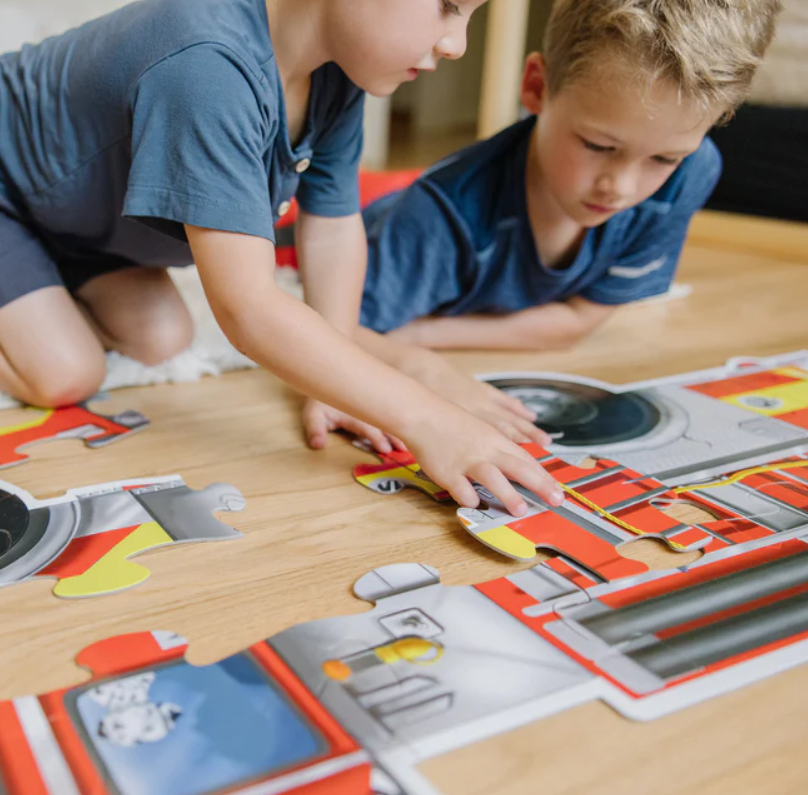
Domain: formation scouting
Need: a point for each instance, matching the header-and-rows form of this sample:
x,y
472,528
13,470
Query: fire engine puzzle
x,y
354,704
86,539
730,442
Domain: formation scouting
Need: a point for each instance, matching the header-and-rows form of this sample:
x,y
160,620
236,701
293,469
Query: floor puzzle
x,y
354,704
85,539
731,441
71,422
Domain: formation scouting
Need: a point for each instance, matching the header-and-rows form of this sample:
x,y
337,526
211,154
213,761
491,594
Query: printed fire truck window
x,y
182,730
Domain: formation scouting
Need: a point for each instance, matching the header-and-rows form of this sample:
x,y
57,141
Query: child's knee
x,y
77,377
166,335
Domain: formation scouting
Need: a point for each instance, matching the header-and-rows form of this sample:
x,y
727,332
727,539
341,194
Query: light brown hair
x,y
708,49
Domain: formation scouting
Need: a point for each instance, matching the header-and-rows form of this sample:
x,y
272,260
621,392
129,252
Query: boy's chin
x,y
379,87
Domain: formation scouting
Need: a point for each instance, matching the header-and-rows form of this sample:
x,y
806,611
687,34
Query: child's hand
x,y
320,419
507,414
454,448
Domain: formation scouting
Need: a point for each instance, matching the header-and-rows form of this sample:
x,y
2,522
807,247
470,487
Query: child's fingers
x,y
315,425
489,476
378,439
508,429
532,433
462,492
525,471
515,406
397,443
521,431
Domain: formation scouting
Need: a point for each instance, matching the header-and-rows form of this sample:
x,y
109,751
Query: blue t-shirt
x,y
459,241
164,113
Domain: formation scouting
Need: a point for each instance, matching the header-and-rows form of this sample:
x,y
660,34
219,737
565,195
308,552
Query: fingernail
x,y
557,497
521,510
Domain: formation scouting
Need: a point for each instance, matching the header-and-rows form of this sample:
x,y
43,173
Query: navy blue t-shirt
x,y
458,241
164,113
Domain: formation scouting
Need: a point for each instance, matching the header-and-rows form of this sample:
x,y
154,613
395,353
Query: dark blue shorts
x,y
28,264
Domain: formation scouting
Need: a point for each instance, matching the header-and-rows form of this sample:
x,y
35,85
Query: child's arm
x,y
554,326
293,341
332,253
507,414
332,257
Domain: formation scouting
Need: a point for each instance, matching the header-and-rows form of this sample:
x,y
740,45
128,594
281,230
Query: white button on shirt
x,y
284,208
303,165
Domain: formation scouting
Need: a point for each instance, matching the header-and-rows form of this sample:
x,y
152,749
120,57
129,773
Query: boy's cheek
x,y
573,177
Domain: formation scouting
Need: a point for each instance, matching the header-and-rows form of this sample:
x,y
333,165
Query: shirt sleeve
x,y
648,265
199,131
330,186
415,247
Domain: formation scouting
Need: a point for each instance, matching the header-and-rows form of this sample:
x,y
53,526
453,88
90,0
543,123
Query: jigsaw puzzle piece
x,y
608,502
753,503
556,530
391,478
148,721
32,535
400,470
442,667
625,493
658,633
114,571
86,538
71,422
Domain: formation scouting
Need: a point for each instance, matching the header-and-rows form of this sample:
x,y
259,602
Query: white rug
x,y
210,353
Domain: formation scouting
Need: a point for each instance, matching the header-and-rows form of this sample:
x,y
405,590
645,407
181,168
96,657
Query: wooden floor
x,y
310,532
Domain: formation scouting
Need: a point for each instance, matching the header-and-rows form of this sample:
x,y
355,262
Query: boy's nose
x,y
453,45
620,184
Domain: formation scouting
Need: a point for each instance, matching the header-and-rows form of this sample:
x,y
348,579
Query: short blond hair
x,y
709,49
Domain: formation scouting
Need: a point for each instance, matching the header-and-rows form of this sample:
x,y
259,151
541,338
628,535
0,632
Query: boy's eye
x,y
593,147
449,9
667,161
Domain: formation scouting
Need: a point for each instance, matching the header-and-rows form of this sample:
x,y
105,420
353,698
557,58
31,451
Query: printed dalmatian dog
x,y
133,719
137,725
122,693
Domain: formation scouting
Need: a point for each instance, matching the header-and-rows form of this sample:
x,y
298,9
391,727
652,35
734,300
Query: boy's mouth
x,y
600,209
413,73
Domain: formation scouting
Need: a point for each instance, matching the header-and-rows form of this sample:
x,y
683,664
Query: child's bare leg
x,y
49,355
138,312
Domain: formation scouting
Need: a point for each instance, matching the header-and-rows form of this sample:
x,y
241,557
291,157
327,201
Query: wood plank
x,y
746,234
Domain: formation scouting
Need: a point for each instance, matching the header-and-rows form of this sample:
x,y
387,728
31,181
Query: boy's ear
x,y
534,83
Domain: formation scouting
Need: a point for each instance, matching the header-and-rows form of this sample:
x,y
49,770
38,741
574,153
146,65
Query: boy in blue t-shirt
x,y
179,130
531,239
